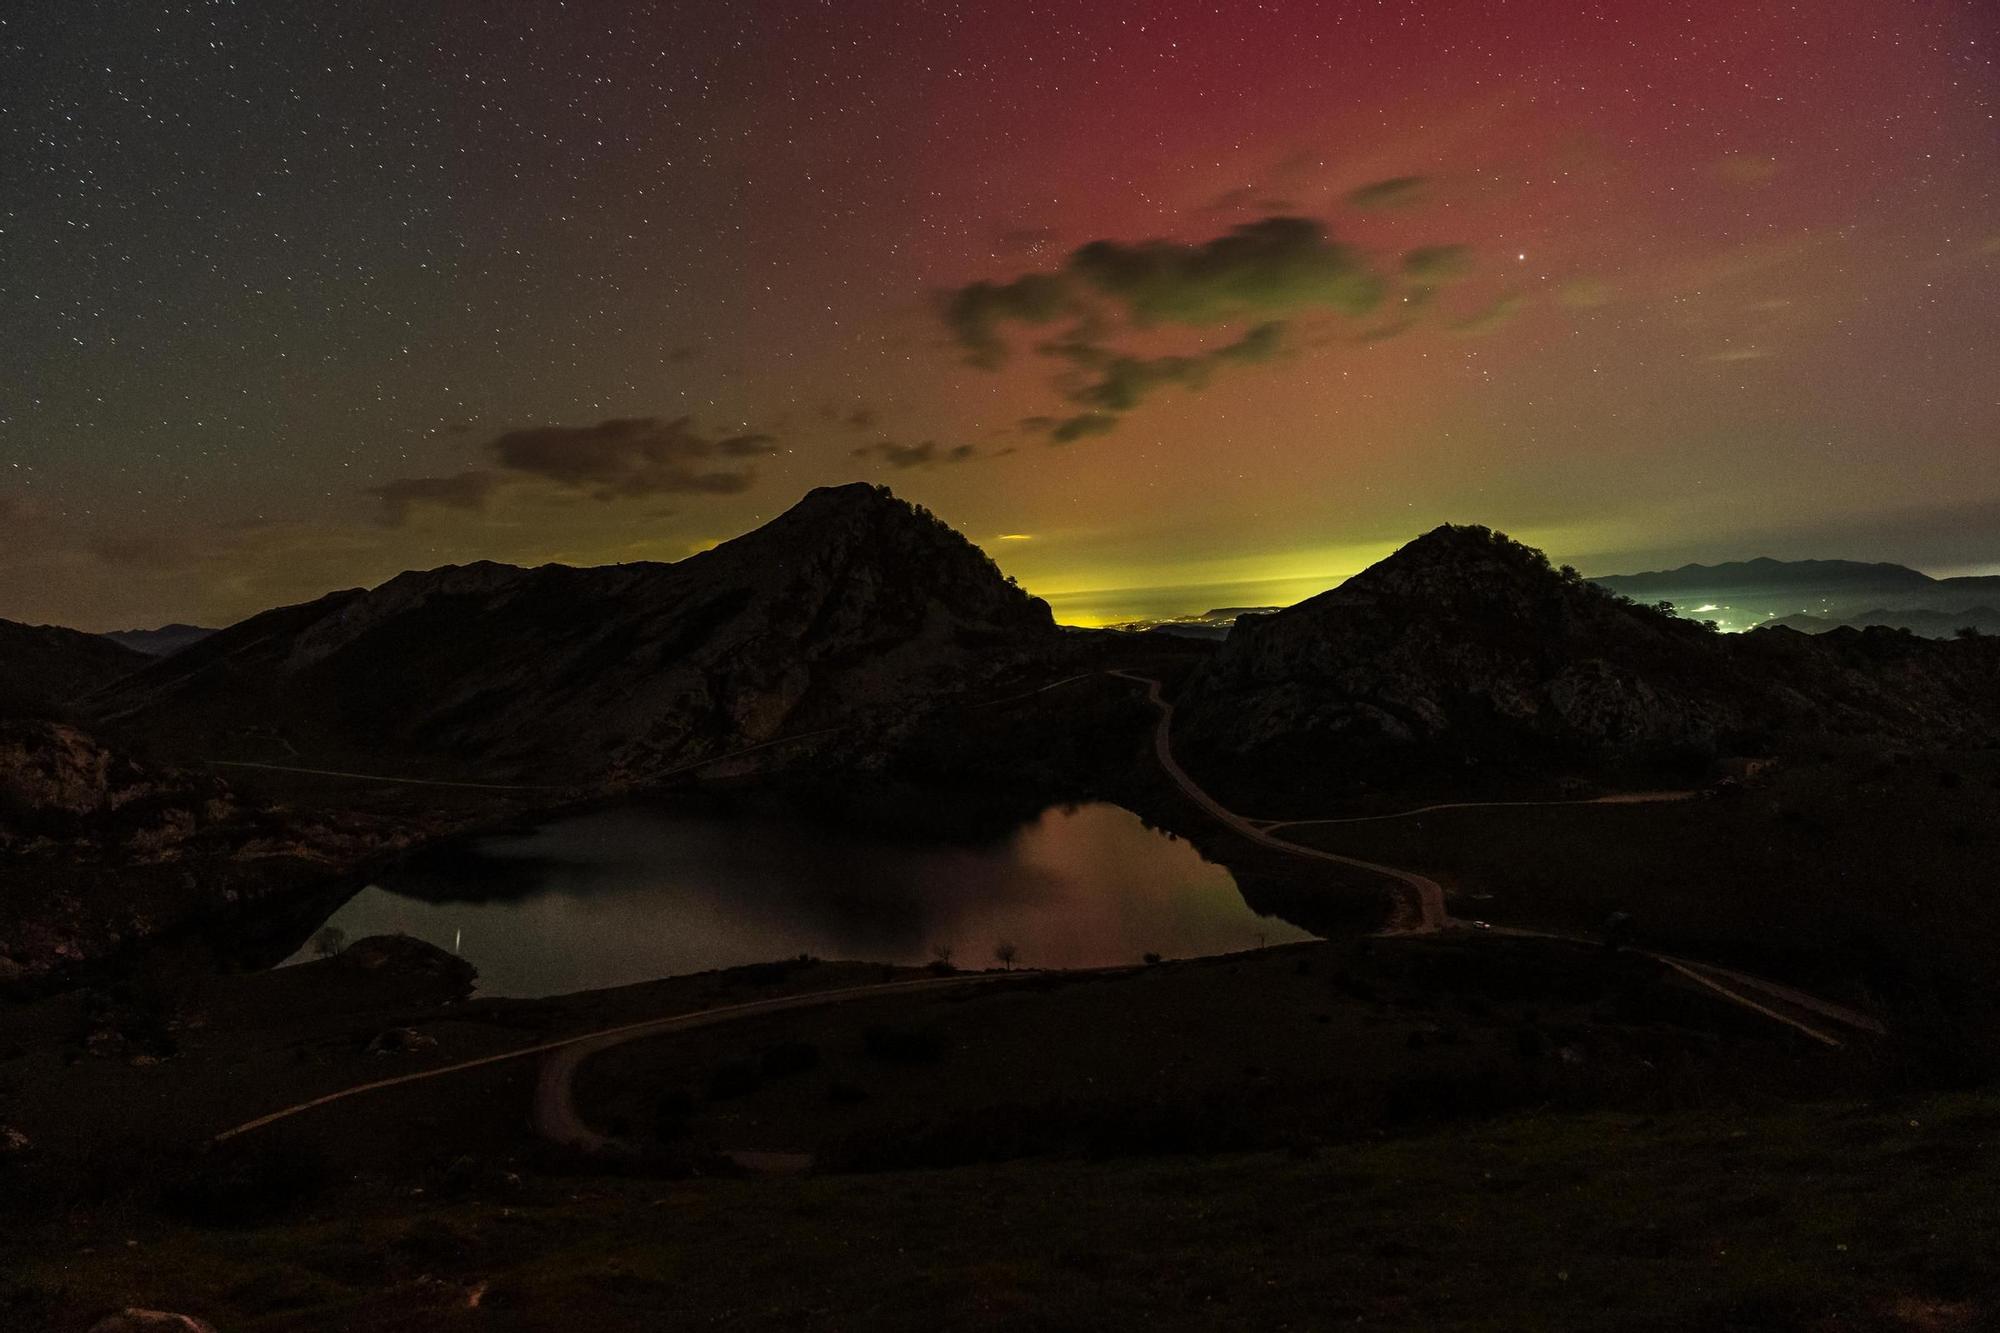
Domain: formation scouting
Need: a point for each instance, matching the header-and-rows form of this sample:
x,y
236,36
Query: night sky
x,y
1221,300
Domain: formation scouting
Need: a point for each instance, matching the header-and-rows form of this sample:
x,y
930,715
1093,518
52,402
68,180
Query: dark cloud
x,y
1395,192
1268,276
1079,426
1274,266
466,490
630,456
928,453
622,458
1123,382
975,313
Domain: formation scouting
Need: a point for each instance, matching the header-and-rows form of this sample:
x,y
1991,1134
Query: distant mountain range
x,y
159,642
1744,594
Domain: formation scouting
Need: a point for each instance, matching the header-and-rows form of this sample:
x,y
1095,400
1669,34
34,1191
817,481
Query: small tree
x,y
1005,953
1968,631
941,957
329,941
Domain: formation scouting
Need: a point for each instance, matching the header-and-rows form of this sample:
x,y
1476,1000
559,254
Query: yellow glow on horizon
x,y
1094,596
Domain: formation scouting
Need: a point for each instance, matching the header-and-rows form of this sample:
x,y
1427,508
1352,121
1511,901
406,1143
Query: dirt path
x,y
1617,798
554,1109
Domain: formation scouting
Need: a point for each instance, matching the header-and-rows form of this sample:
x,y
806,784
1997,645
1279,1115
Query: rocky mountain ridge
x,y
849,605
1464,645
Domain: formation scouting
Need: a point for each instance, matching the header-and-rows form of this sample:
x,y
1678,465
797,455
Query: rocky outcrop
x,y
99,851
63,790
850,606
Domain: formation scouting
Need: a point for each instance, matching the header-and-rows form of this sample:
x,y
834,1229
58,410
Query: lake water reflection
x,y
633,893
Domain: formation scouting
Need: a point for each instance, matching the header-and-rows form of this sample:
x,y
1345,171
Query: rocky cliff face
x,y
851,605
1466,644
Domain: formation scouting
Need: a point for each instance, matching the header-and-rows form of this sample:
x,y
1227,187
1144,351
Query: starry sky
x,y
1167,305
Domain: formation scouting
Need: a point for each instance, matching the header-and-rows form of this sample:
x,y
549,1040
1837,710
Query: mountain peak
x,y
1448,565
846,493
1470,541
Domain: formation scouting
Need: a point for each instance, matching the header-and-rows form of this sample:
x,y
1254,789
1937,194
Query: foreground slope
x,y
44,668
852,605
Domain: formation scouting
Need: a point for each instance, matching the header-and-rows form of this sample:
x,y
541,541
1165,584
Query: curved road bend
x,y
1432,916
1425,892
558,1112
555,1113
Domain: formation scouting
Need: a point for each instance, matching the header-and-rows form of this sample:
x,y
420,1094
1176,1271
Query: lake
x,y
637,892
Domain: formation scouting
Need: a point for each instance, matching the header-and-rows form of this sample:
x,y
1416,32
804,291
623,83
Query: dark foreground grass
x,y
1868,877
1808,1218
